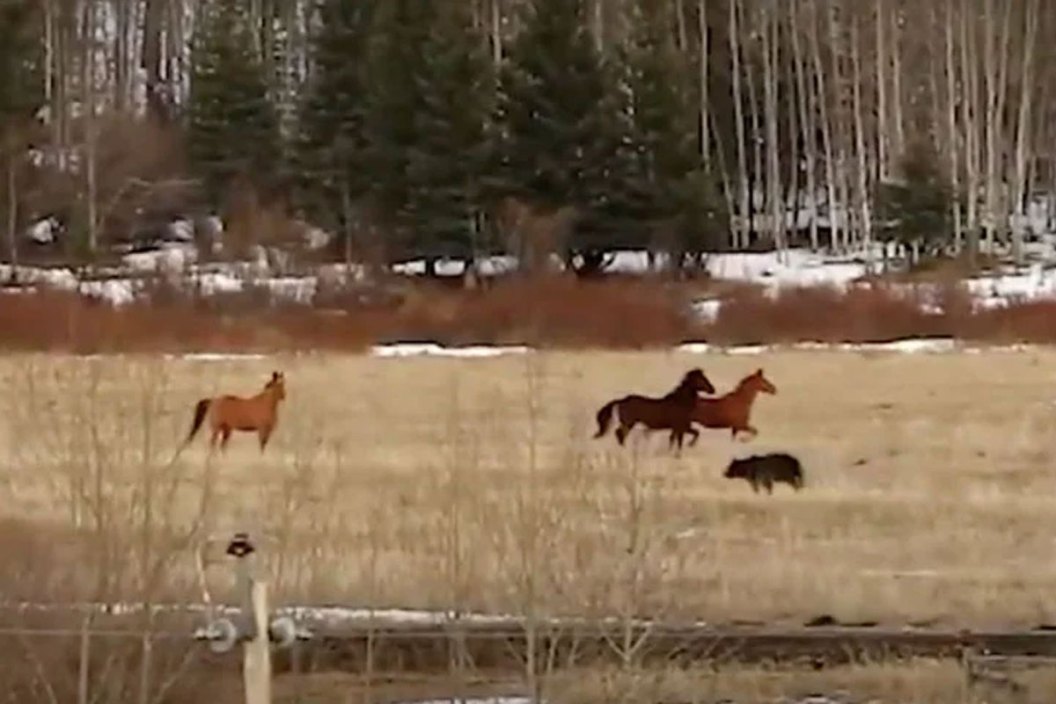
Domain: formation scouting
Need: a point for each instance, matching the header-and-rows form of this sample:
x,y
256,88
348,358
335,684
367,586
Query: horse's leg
x,y
225,435
621,433
769,486
694,436
214,438
264,433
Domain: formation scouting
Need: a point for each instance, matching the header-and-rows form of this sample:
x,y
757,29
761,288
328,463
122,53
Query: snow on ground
x,y
772,271
414,349
215,357
794,267
906,346
471,700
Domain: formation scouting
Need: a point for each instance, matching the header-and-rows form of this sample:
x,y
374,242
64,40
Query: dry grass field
x,y
475,484
929,681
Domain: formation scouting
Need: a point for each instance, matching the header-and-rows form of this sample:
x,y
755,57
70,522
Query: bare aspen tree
x,y
122,58
859,137
794,158
822,104
807,121
496,31
995,56
951,125
705,108
897,95
881,90
837,129
598,24
681,26
739,232
151,58
11,183
770,36
1023,126
88,117
756,173
971,118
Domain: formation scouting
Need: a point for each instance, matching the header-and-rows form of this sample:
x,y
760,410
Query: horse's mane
x,y
744,383
684,390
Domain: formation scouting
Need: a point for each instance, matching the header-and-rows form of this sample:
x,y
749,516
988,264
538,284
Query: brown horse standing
x,y
671,412
227,413
734,409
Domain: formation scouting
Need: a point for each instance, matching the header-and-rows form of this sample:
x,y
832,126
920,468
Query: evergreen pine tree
x,y
21,95
678,198
562,121
914,210
393,103
232,127
331,140
449,152
21,87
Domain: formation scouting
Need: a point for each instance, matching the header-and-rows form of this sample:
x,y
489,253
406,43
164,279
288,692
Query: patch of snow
x,y
706,310
341,274
914,346
748,349
496,266
794,267
316,238
215,357
44,231
432,349
117,292
170,259
180,230
633,262
906,346
444,267
471,700
291,288
213,283
62,279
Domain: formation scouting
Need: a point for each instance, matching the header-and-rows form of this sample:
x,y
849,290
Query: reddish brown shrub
x,y
66,322
550,312
1020,322
557,312
822,314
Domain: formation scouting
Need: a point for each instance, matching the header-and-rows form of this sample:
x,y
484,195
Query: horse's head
x,y
759,382
277,385
695,380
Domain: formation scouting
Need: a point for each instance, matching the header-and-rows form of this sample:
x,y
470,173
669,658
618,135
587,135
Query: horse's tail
x,y
199,416
604,417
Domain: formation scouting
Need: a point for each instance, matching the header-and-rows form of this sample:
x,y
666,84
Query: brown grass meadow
x,y
475,485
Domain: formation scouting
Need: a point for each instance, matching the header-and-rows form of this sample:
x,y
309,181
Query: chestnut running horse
x,y
671,412
734,409
227,413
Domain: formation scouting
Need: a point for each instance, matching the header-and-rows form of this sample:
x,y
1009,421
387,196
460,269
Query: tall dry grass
x,y
922,500
475,486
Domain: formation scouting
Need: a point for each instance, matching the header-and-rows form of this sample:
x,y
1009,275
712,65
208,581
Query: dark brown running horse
x,y
670,412
228,413
734,409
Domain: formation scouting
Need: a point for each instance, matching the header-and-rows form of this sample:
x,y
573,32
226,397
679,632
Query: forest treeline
x,y
461,127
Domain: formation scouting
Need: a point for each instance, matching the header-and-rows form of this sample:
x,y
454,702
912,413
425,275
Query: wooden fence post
x,y
254,629
256,646
256,657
